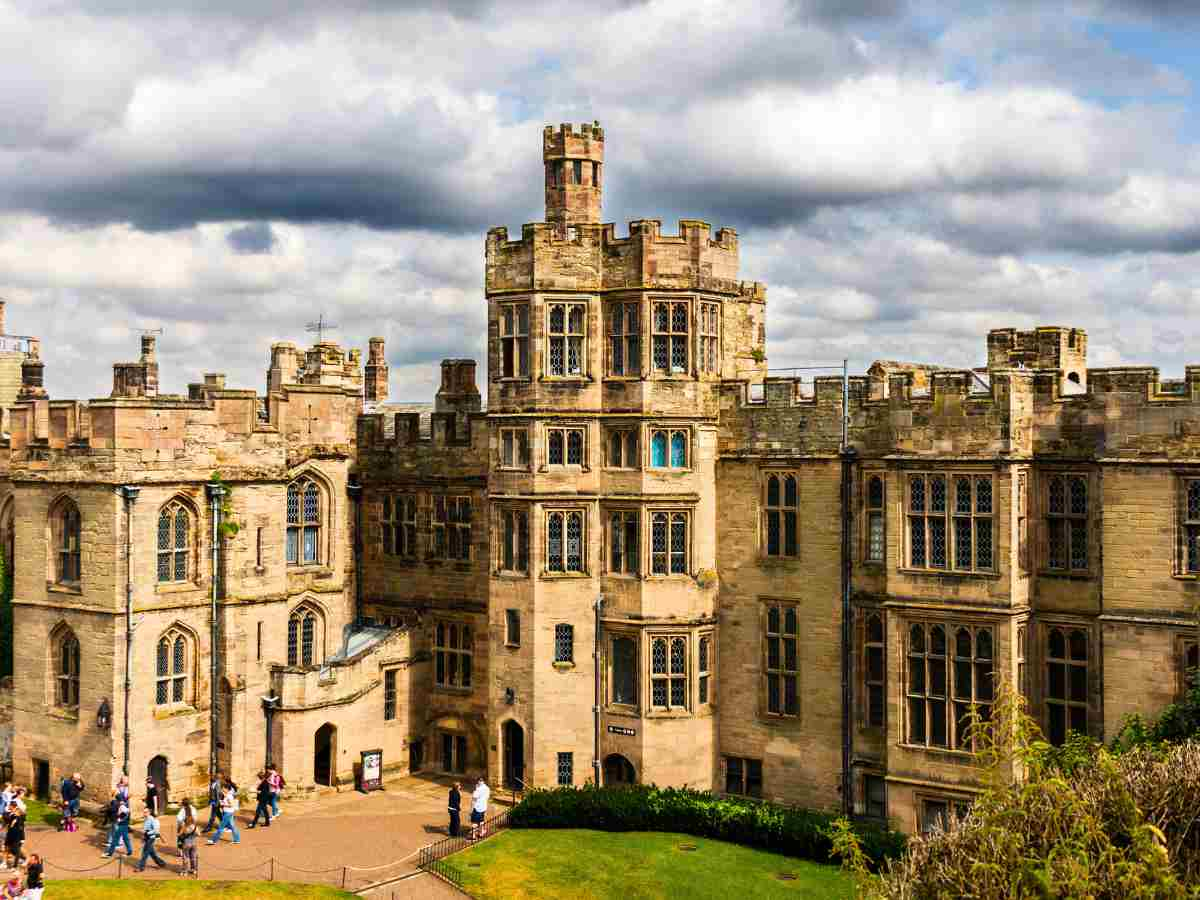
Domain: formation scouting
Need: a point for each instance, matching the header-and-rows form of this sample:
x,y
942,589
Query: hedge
x,y
802,833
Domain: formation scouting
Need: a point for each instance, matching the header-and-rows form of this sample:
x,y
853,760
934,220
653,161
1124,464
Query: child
x,y
68,821
12,888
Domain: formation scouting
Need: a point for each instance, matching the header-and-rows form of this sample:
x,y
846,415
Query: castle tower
x,y
375,385
573,160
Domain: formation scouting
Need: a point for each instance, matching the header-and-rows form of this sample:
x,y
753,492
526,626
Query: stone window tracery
x,y
876,523
1066,682
303,523
174,542
454,652
669,448
670,337
1189,527
450,528
399,523
669,672
704,664
710,338
514,448
622,447
564,541
66,658
564,337
66,524
950,668
874,671
781,505
172,668
565,446
623,557
305,627
950,522
514,340
564,643
669,543
1067,523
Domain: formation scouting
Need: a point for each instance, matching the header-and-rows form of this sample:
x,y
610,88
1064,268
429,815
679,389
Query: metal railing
x,y
432,857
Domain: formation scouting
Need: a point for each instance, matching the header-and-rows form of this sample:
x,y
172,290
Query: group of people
x,y
479,804
12,803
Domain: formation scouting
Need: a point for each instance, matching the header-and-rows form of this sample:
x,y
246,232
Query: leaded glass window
x,y
950,669
670,337
514,340
710,330
782,668
304,631
874,671
565,446
623,541
1189,527
1066,682
1067,523
669,543
68,670
173,664
565,338
564,643
174,542
67,526
453,654
389,695
876,527
450,528
781,505
566,769
564,541
668,672
704,659
950,522
303,523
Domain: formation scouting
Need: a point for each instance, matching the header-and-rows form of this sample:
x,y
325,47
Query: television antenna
x,y
320,327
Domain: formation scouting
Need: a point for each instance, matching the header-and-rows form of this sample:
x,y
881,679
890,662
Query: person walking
x,y
188,837
214,801
454,806
152,798
150,836
120,833
229,808
263,798
479,805
277,786
14,838
33,878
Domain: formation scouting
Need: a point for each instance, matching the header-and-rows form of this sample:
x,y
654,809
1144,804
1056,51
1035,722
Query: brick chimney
x,y
137,379
375,389
458,392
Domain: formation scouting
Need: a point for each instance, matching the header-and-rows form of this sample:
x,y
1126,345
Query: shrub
x,y
796,832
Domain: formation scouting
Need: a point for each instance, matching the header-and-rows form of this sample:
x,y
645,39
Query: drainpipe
x,y
599,605
268,710
215,493
130,493
354,489
848,454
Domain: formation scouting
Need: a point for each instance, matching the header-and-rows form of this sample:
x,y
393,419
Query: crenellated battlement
x,y
558,140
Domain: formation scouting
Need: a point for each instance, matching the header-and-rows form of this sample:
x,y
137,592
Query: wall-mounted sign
x,y
371,773
619,729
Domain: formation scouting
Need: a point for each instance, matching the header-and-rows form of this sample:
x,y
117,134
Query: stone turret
x,y
285,366
573,160
375,385
137,379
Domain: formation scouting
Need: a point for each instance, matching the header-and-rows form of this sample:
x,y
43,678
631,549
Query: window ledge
x,y
956,756
1065,576
508,645
59,587
510,575
622,709
512,469
778,721
783,561
566,379
170,711
452,689
953,574
314,569
511,379
1186,576
623,378
673,576
668,714
625,576
175,587
63,713
553,576
563,666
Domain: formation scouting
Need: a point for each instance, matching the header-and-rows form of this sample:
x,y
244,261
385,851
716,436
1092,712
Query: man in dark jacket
x,y
15,836
72,789
263,796
214,801
454,807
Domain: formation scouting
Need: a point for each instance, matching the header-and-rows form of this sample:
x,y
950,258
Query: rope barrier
x,y
307,871
257,865
386,865
111,862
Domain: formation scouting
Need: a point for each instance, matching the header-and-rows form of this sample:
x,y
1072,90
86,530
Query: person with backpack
x,y
263,797
229,808
187,836
120,832
277,786
150,836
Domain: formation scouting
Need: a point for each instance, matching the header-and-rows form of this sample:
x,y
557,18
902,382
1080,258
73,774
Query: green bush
x,y
795,832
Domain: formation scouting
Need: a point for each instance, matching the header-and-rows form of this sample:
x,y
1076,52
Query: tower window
x,y
174,542
624,655
514,340
875,671
710,325
669,449
780,512
876,535
623,542
514,545
303,523
564,541
564,446
514,448
1066,683
564,336
668,672
453,654
1067,523
564,643
624,340
577,170
670,337
782,662
669,543
622,448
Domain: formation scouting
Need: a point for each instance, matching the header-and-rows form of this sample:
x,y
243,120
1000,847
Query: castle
x,y
647,559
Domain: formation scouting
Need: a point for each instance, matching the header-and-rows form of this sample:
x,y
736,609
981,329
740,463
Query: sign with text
x,y
370,776
620,729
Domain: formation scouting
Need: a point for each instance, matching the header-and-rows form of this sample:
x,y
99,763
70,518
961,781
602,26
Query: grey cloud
x,y
256,237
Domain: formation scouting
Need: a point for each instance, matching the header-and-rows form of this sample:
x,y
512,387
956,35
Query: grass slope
x,y
530,864
188,890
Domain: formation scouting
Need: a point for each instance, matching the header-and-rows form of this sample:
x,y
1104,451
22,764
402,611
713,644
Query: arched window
x,y
658,450
304,637
174,542
65,527
303,523
173,668
66,664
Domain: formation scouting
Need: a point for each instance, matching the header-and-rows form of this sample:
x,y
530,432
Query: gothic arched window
x,y
174,542
303,523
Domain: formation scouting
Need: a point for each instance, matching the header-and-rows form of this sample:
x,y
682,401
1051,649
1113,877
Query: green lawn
x,y
574,864
188,890
40,813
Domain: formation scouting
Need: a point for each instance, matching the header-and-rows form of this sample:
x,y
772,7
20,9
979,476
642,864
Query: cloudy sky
x,y
903,175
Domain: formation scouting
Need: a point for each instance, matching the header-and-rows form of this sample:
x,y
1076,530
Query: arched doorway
x,y
514,755
157,772
618,770
325,754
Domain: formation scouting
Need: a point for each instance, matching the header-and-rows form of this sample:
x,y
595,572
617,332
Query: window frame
x,y
706,667
451,518
302,525
955,708
671,337
67,657
1071,521
512,628
949,517
1069,663
709,337
564,434
514,339
512,542
957,805
630,444
1187,552
453,647
619,521
874,689
635,671
568,339
67,533
305,636
669,433
676,676
781,670
745,766
874,513
1187,657
676,559
620,335
176,551
565,769
869,778
398,524
389,694
177,683
564,644
567,515
514,448
781,510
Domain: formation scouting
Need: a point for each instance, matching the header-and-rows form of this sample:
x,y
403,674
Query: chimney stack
x,y
375,390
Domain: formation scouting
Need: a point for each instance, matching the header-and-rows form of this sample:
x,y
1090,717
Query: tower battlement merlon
x,y
573,162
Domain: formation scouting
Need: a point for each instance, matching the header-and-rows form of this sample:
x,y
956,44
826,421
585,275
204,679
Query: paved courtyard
x,y
343,839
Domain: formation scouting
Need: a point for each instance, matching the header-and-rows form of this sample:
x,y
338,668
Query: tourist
x,y
120,832
12,888
187,840
214,801
123,788
72,790
277,785
229,808
19,799
479,805
150,836
152,800
263,798
33,878
455,808
14,838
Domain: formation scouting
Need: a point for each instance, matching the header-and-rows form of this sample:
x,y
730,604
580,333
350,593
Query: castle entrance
x,y
157,772
618,770
324,754
514,756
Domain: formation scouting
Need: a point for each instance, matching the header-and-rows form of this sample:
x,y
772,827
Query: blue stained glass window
x,y
678,450
658,450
